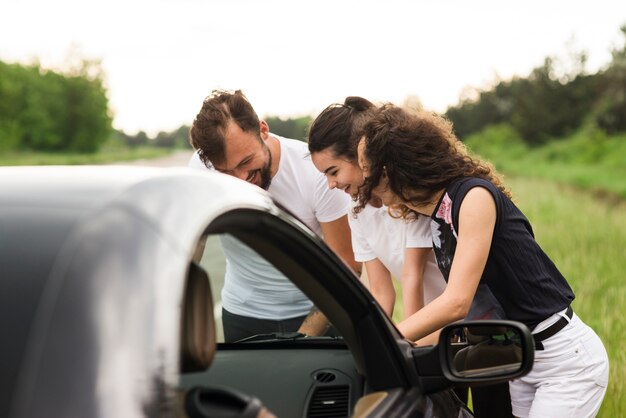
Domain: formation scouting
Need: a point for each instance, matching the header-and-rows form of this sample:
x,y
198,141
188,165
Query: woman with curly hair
x,y
486,250
388,247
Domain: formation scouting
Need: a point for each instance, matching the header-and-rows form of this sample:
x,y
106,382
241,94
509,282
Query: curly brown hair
x,y
419,153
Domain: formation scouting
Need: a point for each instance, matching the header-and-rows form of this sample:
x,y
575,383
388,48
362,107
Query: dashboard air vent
x,y
330,402
325,377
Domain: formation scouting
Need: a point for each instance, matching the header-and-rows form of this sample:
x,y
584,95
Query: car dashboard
x,y
291,380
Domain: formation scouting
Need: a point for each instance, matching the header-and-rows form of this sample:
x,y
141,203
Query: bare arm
x,y
412,279
380,285
430,339
364,279
477,219
315,324
337,236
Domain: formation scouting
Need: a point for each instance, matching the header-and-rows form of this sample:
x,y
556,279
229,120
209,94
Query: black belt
x,y
552,329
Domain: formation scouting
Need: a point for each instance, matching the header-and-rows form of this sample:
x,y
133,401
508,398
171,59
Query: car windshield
x,y
254,302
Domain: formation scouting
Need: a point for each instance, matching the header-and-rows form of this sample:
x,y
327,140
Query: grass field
x,y
587,159
105,156
586,238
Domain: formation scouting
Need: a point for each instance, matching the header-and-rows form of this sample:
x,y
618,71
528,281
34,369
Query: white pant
x,y
569,376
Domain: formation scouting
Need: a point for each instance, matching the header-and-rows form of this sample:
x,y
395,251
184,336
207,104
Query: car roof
x,y
75,193
79,246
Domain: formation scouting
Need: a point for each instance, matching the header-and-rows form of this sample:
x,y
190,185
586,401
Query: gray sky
x,y
162,57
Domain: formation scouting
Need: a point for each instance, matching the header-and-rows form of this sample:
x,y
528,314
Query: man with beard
x,y
228,136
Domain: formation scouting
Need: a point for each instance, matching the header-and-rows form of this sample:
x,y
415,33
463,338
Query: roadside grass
x,y
604,181
585,236
588,159
104,156
573,191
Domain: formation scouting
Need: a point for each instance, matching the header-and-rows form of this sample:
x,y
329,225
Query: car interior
x,y
314,377
367,366
197,351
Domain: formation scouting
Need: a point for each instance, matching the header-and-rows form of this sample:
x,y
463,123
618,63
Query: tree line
x,y
295,128
68,111
554,101
178,138
52,111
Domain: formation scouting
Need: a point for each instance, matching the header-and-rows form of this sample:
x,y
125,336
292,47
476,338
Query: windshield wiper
x,y
286,336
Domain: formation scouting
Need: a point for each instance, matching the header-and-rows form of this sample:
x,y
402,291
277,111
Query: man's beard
x,y
265,171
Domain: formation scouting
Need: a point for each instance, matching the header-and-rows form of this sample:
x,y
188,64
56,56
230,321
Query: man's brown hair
x,y
207,133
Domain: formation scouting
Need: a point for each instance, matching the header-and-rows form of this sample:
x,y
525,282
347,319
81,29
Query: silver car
x,y
110,307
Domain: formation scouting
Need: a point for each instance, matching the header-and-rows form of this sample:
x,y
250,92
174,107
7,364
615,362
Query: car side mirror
x,y
473,352
477,350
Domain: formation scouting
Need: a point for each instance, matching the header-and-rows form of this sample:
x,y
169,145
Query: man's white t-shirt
x,y
252,286
376,234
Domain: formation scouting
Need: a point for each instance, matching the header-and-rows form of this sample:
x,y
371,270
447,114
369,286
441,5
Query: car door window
x,y
255,289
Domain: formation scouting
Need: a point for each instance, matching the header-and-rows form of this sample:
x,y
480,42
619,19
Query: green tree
x,y
483,108
28,111
553,101
290,128
182,137
547,105
610,112
88,123
175,139
10,95
52,111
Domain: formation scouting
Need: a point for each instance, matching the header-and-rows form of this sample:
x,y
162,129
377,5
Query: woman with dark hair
x,y
487,252
387,246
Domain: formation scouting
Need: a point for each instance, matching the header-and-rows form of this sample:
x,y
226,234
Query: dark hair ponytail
x,y
337,127
357,103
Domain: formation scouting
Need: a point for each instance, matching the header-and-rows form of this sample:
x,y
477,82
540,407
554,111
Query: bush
x,y
49,111
497,141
